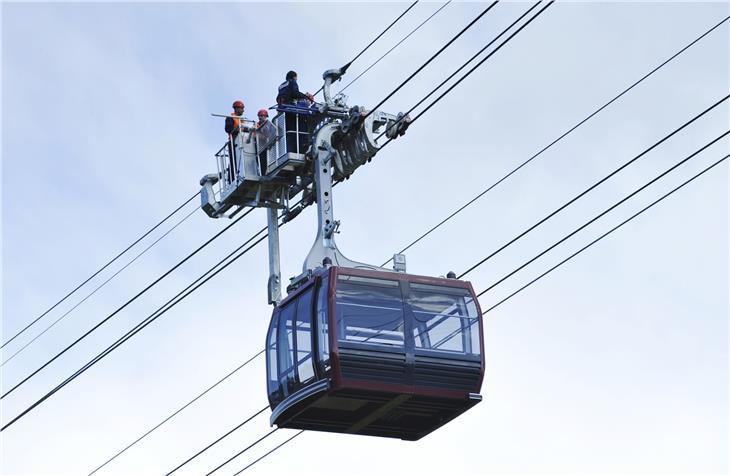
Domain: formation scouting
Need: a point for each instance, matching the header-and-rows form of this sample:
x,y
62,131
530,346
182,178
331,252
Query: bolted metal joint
x,y
353,121
399,126
331,228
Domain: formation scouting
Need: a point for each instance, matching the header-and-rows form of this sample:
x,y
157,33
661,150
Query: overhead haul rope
x,y
242,451
269,452
100,323
218,440
396,45
100,286
591,221
147,321
465,65
376,39
173,414
559,138
605,212
101,269
605,234
433,57
586,191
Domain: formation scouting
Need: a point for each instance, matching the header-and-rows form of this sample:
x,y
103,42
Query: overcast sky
x,y
617,362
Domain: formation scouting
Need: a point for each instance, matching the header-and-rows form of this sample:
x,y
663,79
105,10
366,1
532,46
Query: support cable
x,y
269,452
466,63
147,321
101,269
167,273
397,45
559,138
376,39
603,213
100,286
173,414
468,73
605,234
435,55
242,451
596,184
218,440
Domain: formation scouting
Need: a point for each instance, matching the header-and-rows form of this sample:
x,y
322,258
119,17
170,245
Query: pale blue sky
x,y
615,363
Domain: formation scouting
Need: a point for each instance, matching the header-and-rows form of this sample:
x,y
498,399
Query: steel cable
x,y
269,452
559,138
99,324
101,269
144,323
220,438
466,63
376,39
605,234
99,287
433,57
176,412
603,213
242,451
596,184
396,45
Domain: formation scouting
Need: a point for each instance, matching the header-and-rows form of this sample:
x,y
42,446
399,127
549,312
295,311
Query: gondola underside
x,y
356,410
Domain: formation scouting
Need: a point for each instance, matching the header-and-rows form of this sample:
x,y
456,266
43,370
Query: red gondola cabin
x,y
374,353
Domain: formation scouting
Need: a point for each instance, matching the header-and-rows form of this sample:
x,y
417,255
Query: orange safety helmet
x,y
264,112
238,104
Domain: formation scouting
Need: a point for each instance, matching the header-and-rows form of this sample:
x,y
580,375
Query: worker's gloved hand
x,y
310,97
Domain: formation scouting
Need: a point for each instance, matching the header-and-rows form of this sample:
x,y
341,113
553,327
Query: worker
x,y
289,90
232,128
265,136
297,129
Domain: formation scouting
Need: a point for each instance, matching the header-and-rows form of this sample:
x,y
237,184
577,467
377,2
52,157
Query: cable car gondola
x,y
372,352
354,348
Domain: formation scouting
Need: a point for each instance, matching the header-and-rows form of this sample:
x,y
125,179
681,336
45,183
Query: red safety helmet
x,y
264,112
238,104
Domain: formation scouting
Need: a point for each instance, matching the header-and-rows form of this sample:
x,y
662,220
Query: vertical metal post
x,y
274,286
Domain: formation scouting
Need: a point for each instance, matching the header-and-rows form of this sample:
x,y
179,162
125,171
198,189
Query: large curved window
x,y
369,311
289,347
285,348
446,319
272,382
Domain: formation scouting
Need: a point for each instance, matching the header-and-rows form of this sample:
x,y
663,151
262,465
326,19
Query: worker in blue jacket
x,y
297,135
289,90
